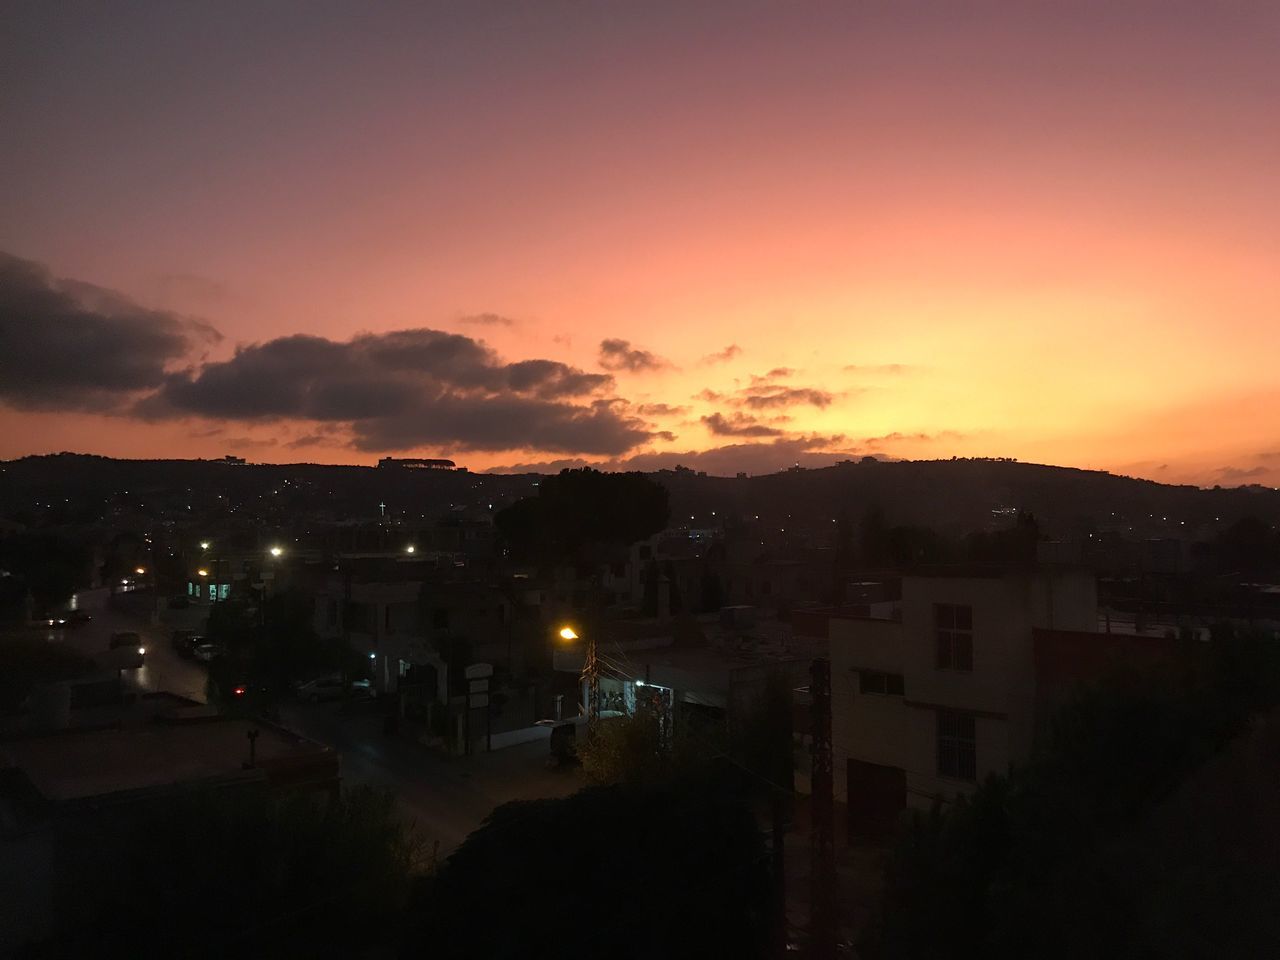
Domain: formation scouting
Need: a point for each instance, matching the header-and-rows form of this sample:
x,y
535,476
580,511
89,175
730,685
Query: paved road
x,y
444,797
162,668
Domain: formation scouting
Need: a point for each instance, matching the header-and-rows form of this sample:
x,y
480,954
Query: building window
x,y
957,746
876,681
953,624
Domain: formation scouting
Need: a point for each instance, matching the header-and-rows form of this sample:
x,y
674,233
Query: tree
x,y
27,662
52,567
621,871
578,512
229,874
1031,863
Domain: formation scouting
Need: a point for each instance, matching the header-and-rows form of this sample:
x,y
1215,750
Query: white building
x,y
927,704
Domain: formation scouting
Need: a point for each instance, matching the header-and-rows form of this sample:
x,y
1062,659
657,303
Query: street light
x,y
204,544
411,549
140,571
590,672
203,572
276,551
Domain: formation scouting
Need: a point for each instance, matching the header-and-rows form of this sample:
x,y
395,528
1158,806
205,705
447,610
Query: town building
x,y
951,687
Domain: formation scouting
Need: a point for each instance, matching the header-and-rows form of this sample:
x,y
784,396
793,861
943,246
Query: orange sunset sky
x,y
733,235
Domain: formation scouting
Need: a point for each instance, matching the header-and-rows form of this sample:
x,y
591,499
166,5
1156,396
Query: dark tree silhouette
x,y
610,871
579,512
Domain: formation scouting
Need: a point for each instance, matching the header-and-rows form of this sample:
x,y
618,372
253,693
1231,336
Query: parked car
x,y
332,688
184,641
206,650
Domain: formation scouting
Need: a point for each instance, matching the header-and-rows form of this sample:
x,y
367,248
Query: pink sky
x,y
1045,231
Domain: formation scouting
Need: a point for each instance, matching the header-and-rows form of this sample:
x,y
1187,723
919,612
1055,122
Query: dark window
x,y
957,746
953,625
875,681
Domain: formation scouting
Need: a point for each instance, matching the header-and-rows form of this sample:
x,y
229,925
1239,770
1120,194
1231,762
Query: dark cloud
x,y
620,355
407,389
660,410
66,345
487,320
721,356
766,397
739,425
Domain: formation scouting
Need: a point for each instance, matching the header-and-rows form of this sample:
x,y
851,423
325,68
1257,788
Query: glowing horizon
x,y
818,233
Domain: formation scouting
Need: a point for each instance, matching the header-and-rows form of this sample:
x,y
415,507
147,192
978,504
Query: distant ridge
x,y
959,493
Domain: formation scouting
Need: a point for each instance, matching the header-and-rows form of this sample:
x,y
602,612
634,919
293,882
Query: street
x,y
162,668
445,798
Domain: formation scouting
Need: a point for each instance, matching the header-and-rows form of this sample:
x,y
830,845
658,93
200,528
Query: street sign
x,y
480,686
479,700
477,670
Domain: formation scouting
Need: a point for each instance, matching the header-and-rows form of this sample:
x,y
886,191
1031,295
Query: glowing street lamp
x,y
276,551
590,672
411,549
204,544
203,572
140,571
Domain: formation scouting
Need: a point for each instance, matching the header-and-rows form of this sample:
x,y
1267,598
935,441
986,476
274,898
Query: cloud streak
x,y
619,355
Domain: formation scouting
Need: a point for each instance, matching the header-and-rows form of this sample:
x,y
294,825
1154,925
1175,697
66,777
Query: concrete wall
x,y
1000,691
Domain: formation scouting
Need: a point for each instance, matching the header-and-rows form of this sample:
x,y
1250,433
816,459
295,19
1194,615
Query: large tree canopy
x,y
610,871
578,510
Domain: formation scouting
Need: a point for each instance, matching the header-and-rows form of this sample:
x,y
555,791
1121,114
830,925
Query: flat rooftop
x,y
81,764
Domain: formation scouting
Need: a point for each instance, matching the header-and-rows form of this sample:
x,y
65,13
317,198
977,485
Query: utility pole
x,y
822,880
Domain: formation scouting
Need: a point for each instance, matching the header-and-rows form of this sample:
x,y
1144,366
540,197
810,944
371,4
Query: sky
x,y
732,235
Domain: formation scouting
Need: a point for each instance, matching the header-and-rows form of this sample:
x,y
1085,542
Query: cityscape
x,y
639,480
